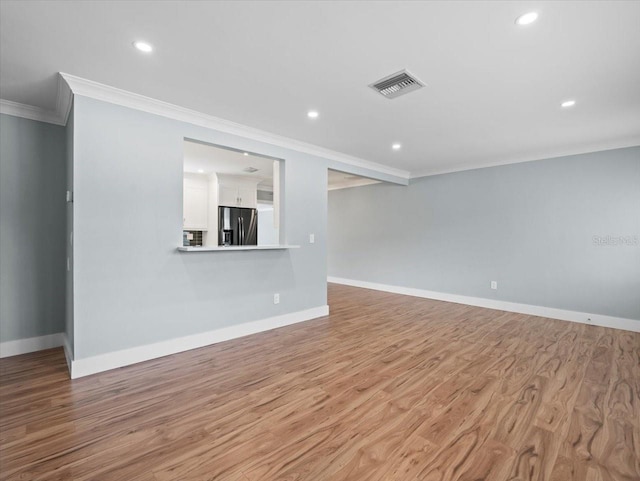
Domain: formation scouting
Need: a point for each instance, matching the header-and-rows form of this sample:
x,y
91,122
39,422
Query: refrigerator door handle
x,y
241,230
253,227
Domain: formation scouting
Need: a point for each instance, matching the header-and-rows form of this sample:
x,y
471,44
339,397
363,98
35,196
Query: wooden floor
x,y
387,388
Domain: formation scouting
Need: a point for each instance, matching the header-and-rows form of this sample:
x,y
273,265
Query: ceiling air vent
x,y
251,170
397,84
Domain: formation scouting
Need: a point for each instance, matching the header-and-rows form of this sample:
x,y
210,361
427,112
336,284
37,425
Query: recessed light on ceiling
x,y
200,171
313,114
143,47
527,18
245,153
568,103
396,146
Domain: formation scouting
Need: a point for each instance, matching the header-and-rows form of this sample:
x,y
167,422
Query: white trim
x,y
588,149
126,357
235,248
64,100
30,112
68,85
30,344
105,93
59,116
549,312
68,352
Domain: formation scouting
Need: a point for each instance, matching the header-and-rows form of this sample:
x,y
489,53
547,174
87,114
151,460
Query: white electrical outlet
x,y
276,298
312,238
494,284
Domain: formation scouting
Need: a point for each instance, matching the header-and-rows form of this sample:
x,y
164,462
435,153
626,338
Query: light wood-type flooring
x,y
388,387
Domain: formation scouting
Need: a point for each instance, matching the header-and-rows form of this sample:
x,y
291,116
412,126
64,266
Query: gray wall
x,y
529,226
131,286
32,228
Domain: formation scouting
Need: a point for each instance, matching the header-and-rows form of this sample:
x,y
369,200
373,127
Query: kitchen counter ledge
x,y
235,248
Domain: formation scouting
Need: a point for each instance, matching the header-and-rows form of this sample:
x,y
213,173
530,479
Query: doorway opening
x,y
347,197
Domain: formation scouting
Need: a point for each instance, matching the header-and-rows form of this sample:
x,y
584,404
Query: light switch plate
x,y
312,238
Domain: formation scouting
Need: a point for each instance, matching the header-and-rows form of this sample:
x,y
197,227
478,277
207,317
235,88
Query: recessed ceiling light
x,y
396,146
312,114
527,18
200,171
143,47
568,103
245,153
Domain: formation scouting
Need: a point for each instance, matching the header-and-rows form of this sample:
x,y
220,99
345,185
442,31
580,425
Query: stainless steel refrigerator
x,y
237,226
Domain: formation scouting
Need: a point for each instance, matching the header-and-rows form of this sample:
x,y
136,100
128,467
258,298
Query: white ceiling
x,y
493,88
342,180
209,159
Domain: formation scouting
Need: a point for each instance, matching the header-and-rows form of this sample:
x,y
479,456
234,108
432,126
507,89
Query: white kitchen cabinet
x,y
248,196
233,192
195,204
228,195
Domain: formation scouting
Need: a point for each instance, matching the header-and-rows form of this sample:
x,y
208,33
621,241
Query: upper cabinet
x,y
228,195
237,191
195,202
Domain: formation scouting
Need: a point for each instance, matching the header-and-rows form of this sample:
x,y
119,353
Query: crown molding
x,y
59,116
69,85
30,112
633,141
64,99
105,93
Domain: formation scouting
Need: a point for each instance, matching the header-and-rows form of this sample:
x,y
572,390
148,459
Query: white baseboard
x,y
68,352
125,357
550,312
30,344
